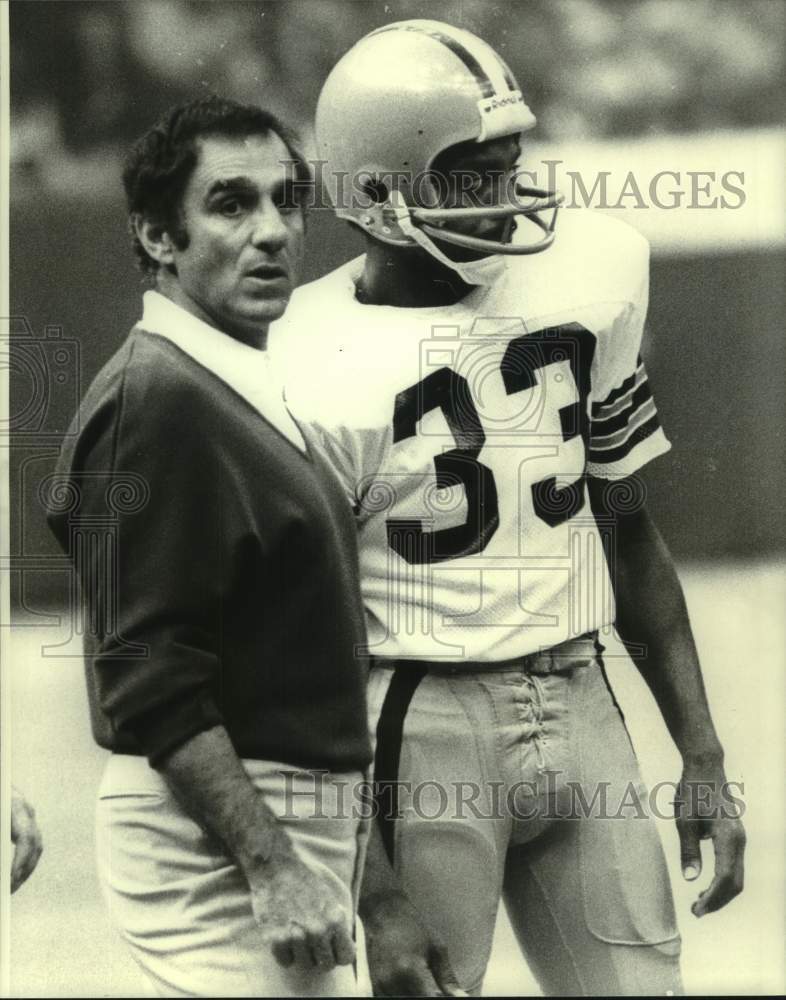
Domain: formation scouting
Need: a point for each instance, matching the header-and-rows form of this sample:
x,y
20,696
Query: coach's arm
x,y
298,912
170,569
651,612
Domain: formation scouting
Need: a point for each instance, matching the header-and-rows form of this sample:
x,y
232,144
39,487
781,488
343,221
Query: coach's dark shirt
x,y
218,569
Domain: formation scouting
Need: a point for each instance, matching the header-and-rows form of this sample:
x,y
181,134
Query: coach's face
x,y
245,236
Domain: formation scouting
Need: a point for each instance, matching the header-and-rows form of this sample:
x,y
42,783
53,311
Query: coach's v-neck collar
x,y
243,368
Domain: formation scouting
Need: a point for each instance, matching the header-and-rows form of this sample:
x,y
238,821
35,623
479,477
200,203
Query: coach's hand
x,y
300,916
26,838
705,810
403,958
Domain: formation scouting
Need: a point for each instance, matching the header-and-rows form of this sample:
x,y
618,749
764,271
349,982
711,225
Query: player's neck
x,y
407,278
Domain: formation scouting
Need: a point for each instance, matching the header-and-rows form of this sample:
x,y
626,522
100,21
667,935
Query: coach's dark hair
x,y
160,163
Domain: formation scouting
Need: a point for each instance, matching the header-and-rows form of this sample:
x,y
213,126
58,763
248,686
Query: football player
x,y
475,379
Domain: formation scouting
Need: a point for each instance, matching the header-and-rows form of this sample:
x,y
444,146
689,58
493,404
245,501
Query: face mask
x,y
484,271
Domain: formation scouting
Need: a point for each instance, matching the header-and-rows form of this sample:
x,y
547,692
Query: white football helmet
x,y
401,96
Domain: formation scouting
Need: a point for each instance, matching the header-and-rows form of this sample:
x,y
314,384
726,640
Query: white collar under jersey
x,y
245,369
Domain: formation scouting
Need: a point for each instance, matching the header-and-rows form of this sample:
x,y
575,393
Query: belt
x,y
553,660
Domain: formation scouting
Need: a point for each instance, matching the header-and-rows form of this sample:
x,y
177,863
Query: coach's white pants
x,y
181,903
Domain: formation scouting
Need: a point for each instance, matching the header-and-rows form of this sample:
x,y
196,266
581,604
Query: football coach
x,y
216,558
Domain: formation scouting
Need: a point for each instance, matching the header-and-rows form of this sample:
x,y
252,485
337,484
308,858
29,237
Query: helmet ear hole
x,y
374,189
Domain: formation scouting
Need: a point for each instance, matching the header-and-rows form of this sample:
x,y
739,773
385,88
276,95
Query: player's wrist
x,y
702,758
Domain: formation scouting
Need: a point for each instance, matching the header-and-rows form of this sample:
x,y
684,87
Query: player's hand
x,y
300,916
705,810
403,958
26,838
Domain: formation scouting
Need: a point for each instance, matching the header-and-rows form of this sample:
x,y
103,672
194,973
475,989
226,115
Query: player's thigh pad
x,y
626,892
589,898
450,836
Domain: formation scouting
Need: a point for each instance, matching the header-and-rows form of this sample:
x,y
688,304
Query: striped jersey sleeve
x,y
625,432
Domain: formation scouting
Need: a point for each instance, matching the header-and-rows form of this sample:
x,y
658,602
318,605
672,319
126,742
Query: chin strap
x,y
483,271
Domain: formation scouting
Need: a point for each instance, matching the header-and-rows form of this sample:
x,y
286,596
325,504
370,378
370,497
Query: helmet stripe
x,y
509,78
458,49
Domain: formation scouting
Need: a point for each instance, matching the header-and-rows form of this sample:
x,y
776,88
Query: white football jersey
x,y
463,435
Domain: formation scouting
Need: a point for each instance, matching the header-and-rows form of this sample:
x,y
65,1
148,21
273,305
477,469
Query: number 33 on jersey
x,y
463,435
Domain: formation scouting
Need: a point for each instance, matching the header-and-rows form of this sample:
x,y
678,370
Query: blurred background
x,y
619,86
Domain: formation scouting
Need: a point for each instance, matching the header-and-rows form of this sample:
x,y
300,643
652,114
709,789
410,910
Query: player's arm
x,y
651,611
403,958
297,911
